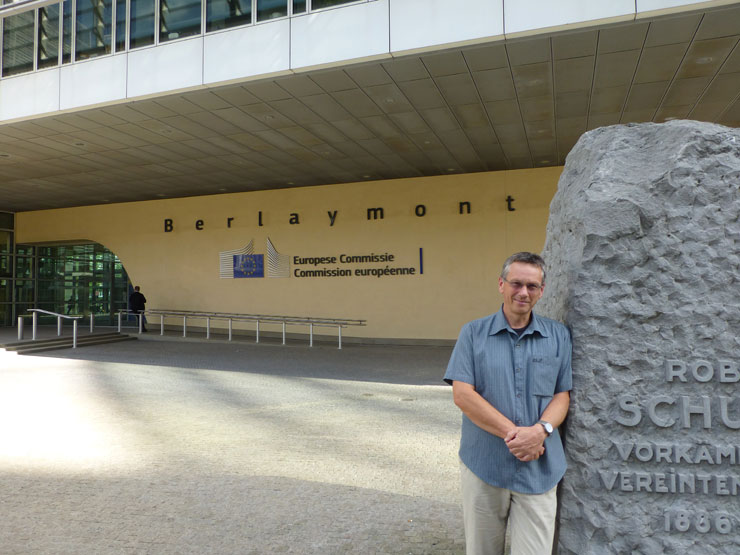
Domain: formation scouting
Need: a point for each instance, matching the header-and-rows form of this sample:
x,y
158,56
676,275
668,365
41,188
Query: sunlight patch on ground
x,y
48,418
67,415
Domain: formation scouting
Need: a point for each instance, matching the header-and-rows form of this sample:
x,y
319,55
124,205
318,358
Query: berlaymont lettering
x,y
294,218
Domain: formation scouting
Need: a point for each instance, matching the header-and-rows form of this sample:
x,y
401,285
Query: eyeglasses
x,y
517,285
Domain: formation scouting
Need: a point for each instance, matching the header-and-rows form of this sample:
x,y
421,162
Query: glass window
x,y
22,310
318,4
6,220
54,292
24,290
18,43
6,314
120,25
222,14
93,28
299,6
6,266
76,302
23,267
67,32
6,241
178,18
50,268
25,250
141,27
48,53
270,9
5,290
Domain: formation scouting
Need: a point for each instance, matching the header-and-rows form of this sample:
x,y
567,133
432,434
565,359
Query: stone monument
x,y
643,246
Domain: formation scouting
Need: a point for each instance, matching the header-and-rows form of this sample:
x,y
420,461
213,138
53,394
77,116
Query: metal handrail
x,y
265,317
257,318
35,317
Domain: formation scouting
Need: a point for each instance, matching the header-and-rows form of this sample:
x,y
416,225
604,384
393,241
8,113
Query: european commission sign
x,y
245,263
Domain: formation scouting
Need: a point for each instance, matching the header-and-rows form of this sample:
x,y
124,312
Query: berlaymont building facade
x,y
373,159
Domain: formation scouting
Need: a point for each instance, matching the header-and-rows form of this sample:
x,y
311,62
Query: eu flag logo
x,y
249,265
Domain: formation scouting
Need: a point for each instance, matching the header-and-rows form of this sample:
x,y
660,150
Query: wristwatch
x,y
548,427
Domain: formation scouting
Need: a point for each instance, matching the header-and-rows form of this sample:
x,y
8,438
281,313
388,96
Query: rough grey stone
x,y
643,246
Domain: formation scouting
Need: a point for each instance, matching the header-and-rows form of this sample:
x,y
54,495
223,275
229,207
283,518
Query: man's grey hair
x,y
525,258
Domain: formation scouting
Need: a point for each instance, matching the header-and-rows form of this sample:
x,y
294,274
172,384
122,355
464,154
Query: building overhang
x,y
496,104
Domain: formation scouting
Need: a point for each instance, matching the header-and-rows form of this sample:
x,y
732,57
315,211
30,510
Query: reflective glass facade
x,y
141,23
48,36
44,37
222,14
6,268
93,28
18,43
67,279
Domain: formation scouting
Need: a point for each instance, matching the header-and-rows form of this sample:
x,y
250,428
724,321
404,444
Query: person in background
x,y
137,304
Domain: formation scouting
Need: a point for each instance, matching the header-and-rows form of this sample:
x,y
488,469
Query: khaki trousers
x,y
488,509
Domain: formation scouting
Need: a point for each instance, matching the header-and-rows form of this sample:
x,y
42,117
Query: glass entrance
x,y
6,268
81,280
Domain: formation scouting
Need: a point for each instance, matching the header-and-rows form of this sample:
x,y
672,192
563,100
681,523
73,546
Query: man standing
x,y
511,378
137,304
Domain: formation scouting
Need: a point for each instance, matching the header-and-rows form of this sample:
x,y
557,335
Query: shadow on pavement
x,y
411,365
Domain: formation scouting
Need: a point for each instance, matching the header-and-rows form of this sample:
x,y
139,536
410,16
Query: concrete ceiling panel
x,y
533,80
660,63
646,96
574,74
672,30
719,23
457,89
616,68
705,57
531,51
504,112
447,63
406,69
471,116
574,45
486,57
620,38
608,100
495,84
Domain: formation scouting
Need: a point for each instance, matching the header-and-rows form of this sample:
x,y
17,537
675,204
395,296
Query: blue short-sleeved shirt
x,y
518,376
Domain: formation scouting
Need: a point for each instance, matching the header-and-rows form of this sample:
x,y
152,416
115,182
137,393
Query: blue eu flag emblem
x,y
249,265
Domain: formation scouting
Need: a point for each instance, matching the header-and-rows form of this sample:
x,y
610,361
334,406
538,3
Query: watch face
x,y
547,426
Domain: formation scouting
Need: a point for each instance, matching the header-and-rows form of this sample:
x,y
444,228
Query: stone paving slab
x,y
210,447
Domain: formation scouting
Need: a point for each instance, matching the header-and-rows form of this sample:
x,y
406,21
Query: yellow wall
x,y
462,253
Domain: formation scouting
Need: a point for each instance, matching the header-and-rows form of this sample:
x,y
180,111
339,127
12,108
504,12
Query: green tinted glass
x,y
6,292
18,43
6,266
6,241
23,267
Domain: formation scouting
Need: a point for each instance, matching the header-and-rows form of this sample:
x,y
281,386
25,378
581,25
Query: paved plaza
x,y
185,446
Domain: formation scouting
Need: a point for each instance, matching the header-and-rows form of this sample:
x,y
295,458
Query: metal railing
x,y
35,319
139,317
258,319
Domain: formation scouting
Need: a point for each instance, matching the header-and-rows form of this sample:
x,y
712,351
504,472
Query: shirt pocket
x,y
544,375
